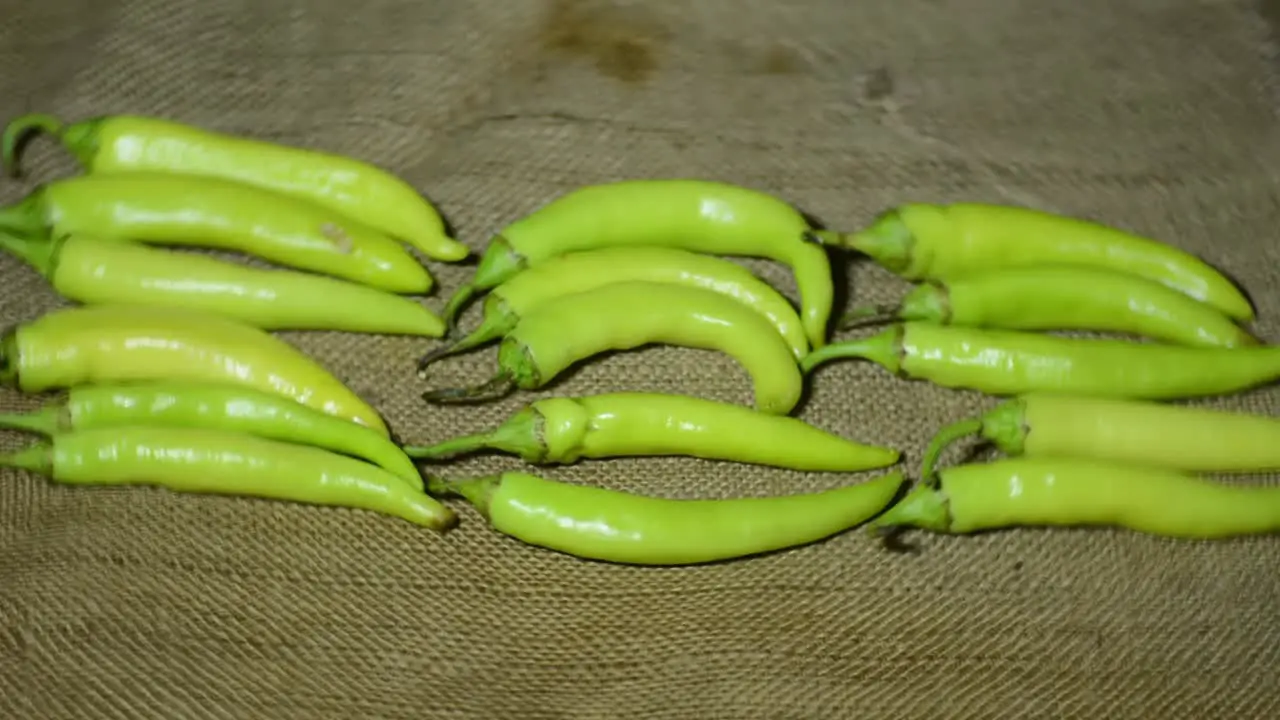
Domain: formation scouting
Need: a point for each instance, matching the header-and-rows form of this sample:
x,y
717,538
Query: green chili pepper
x,y
94,272
591,269
127,144
563,331
212,407
226,463
563,430
1065,298
126,343
920,241
1075,492
700,216
1002,362
600,524
1133,432
189,210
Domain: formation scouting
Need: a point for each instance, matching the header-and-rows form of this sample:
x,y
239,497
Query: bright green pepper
x,y
564,331
564,429
1073,492
1066,297
212,406
1013,363
600,524
227,463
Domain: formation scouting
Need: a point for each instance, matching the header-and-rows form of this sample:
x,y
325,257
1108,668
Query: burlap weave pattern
x,y
1154,115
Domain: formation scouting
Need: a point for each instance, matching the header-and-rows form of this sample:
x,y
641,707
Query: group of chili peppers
x,y
174,379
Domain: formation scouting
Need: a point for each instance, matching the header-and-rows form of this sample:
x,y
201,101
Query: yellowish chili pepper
x,y
1073,492
600,524
125,343
1133,432
227,463
566,429
94,272
120,144
210,212
921,241
564,331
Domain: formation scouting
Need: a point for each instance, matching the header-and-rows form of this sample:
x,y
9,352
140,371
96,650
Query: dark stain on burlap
x,y
1152,115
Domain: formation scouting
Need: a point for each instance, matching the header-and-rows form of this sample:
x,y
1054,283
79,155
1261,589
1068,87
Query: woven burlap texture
x,y
1153,115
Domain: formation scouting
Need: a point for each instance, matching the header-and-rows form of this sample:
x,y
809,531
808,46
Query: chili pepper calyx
x,y
25,217
37,458
928,302
924,507
40,253
498,320
499,263
888,241
518,435
884,348
48,420
477,491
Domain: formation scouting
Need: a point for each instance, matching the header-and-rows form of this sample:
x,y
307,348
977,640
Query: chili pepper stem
x,y
495,388
941,441
487,332
924,507
883,348
477,491
25,217
48,420
37,458
16,133
518,436
40,254
868,315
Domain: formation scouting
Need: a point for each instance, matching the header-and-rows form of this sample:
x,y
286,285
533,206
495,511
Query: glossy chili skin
x,y
591,269
1072,298
608,525
623,316
227,463
212,406
128,343
118,144
635,424
93,272
1147,434
1001,362
1074,492
924,241
209,212
695,215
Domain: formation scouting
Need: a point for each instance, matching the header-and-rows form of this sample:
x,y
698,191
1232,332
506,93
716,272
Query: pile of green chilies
x,y
1088,428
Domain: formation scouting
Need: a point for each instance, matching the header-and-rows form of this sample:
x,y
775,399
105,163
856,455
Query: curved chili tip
x,y
18,131
496,388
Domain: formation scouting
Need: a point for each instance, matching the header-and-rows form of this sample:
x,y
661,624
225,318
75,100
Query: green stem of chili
x,y
17,132
518,436
488,331
25,217
941,441
868,315
495,388
923,507
44,421
41,254
883,348
478,490
37,458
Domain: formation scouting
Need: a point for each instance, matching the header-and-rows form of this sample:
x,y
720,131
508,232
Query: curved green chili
x,y
601,524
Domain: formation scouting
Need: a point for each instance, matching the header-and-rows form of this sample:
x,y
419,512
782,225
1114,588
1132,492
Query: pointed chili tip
x,y
16,134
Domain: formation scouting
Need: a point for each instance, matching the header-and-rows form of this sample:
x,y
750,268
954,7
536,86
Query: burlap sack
x,y
1155,115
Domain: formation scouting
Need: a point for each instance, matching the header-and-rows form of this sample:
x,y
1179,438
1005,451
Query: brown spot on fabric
x,y
878,84
781,60
622,45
